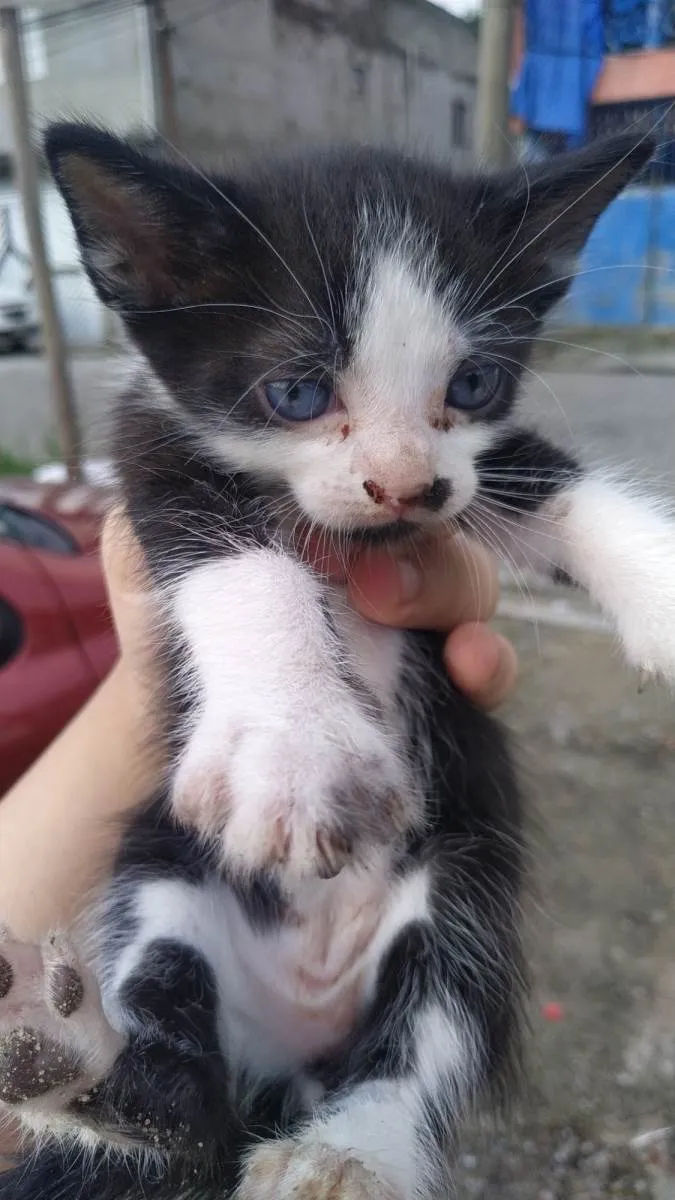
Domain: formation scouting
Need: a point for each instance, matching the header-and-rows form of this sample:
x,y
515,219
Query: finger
x,y
127,583
438,586
123,562
481,663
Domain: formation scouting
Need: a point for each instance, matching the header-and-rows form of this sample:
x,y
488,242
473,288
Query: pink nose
x,y
432,496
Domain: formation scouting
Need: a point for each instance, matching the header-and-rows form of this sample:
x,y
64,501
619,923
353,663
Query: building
x,y
244,75
281,72
92,61
84,58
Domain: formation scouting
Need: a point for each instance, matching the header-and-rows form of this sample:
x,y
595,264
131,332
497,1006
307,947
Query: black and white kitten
x,y
307,967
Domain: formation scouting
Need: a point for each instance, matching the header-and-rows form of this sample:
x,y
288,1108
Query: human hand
x,y
450,586
132,608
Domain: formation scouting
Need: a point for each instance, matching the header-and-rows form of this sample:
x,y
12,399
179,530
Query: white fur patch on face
x,y
406,344
392,434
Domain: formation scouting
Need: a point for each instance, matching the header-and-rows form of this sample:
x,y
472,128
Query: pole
x,y
161,69
494,68
27,174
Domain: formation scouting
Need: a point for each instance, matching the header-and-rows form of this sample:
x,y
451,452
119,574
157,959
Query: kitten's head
x,y
349,327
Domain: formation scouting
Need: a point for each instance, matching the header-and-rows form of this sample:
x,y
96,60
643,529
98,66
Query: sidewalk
x,y
608,352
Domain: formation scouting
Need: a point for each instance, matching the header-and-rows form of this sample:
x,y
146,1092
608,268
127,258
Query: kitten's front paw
x,y
303,798
648,640
287,1170
55,1042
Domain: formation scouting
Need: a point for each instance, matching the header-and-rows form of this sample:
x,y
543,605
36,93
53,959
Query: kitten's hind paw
x,y
55,1041
287,1170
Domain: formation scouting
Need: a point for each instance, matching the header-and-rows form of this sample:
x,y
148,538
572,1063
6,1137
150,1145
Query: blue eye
x,y
474,385
303,401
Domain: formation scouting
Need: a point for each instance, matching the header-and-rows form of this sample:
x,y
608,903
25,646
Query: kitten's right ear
x,y
147,229
552,206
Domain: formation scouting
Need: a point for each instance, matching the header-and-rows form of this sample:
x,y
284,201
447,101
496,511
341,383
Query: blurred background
x,y
505,82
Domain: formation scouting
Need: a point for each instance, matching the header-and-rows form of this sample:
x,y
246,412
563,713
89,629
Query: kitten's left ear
x,y
150,233
554,205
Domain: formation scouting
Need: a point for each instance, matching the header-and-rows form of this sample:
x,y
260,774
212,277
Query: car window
x,y
27,529
11,633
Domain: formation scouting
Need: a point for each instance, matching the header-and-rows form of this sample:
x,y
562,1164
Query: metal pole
x,y
27,174
161,69
494,66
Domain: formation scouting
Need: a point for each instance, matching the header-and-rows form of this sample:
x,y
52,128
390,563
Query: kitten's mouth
x,y
383,535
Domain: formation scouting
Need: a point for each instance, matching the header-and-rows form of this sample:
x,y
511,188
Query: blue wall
x,y
627,271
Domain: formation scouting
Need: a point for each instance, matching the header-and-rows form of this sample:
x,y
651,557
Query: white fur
x,y
391,428
287,992
276,733
620,546
379,1125
406,344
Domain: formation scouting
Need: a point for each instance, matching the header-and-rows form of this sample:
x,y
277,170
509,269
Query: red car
x,y
56,637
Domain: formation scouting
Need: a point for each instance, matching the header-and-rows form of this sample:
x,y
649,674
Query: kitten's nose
x,y
432,496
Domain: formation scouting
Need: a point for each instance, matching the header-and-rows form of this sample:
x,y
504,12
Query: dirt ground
x,y
599,760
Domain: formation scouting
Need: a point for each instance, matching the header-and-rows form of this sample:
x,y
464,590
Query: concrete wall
x,y
281,72
83,64
248,73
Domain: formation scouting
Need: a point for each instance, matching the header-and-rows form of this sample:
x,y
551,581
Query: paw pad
x,y
31,1065
66,990
55,1041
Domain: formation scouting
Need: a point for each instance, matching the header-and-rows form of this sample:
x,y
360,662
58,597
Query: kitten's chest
x,y
373,652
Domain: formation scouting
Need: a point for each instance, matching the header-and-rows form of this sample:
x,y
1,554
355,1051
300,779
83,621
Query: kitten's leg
x,y
290,762
445,978
160,1085
404,1086
442,1024
541,508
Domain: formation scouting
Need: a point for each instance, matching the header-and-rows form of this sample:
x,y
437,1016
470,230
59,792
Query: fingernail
x,y
409,580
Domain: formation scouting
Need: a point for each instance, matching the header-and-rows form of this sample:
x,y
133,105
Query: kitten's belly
x,y
292,993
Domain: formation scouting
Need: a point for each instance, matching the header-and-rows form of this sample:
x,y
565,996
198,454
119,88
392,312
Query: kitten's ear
x,y
150,234
555,204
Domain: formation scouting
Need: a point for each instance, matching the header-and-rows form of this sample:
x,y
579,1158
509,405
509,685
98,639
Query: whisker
x,y
252,225
320,261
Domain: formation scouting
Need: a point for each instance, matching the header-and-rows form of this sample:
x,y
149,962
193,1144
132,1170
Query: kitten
x,y
307,967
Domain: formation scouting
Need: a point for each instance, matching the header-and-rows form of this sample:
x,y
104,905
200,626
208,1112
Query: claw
x,y
644,679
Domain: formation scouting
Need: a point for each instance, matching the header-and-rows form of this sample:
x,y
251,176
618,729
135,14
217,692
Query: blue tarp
x,y
564,47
